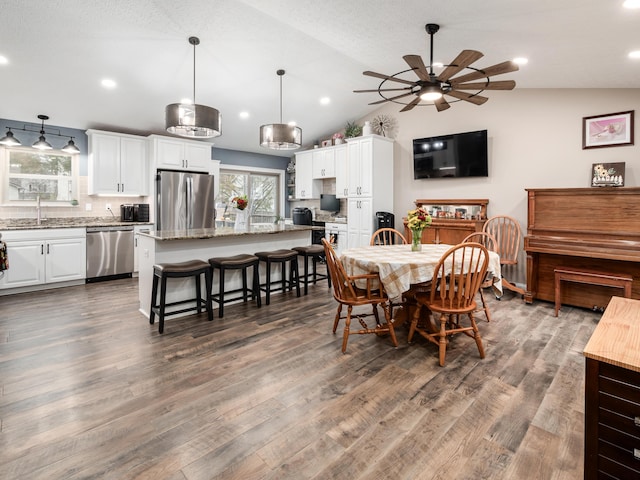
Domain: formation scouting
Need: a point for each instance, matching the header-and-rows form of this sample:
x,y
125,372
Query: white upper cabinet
x,y
342,171
175,154
306,186
324,162
117,164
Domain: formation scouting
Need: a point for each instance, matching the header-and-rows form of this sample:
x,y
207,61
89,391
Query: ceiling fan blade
x,y
413,103
441,104
392,98
462,61
416,63
499,69
382,90
467,97
387,77
499,85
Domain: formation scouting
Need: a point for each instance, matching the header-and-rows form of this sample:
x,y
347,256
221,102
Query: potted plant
x,y
337,138
352,130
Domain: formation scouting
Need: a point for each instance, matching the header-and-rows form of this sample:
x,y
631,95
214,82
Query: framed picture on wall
x,y
607,175
611,130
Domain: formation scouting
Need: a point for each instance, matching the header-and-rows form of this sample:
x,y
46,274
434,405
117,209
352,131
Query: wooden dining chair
x,y
508,234
489,242
387,236
455,283
347,293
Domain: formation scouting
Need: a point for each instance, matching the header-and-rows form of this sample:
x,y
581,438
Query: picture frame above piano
x,y
609,130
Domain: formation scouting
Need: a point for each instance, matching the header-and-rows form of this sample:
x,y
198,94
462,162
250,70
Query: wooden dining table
x,y
399,268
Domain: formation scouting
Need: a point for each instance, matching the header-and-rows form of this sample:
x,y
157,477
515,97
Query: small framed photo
x,y
611,130
607,175
326,143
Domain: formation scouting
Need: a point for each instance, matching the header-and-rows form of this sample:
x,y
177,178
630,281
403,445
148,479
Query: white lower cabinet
x,y
359,221
136,250
39,257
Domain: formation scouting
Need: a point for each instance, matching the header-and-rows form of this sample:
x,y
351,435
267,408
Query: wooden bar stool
x,y
316,253
282,257
162,271
237,262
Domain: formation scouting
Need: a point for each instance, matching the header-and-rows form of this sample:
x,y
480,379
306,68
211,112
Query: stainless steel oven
x,y
109,252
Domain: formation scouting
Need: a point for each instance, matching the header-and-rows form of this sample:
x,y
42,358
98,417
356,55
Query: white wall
x,y
535,141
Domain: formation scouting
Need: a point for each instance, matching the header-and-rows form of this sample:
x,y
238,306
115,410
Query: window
x,y
31,173
263,189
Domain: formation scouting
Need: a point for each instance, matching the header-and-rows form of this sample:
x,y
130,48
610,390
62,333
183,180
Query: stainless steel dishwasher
x,y
109,252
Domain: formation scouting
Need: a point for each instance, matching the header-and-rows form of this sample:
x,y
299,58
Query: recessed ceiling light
x,y
244,114
325,101
634,54
108,83
631,4
3,60
521,60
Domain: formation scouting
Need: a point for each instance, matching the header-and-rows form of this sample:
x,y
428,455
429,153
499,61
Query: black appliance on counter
x,y
302,216
134,212
385,220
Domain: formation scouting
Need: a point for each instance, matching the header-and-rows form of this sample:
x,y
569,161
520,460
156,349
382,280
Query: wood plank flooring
x,y
90,390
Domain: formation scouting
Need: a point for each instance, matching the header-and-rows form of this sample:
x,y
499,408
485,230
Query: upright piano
x,y
595,228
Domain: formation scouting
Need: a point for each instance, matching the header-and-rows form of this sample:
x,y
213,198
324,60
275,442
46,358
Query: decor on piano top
x,y
417,220
607,175
610,130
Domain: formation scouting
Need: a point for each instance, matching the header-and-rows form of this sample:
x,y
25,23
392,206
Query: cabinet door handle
x,y
122,187
186,163
47,249
41,249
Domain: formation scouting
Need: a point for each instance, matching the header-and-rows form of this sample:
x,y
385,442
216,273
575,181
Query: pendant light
x,y
280,136
42,143
190,119
9,140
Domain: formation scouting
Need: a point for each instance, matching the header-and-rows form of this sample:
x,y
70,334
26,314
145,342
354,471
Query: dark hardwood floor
x,y
89,390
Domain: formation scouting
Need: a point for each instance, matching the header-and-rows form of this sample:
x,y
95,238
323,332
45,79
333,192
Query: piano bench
x,y
569,274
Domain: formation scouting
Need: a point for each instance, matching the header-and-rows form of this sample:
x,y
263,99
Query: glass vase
x,y
416,239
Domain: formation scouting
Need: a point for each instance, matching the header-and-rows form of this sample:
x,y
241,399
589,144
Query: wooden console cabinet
x,y
452,219
612,394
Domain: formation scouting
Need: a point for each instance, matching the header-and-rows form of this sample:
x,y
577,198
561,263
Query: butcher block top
x,y
616,339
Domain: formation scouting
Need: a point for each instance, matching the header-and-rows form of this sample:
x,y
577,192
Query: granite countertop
x,y
203,233
63,222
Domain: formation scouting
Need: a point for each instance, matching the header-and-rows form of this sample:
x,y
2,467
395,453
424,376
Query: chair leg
x,y
244,285
414,322
208,280
442,343
256,284
268,286
221,293
306,274
484,307
392,332
163,298
347,327
476,335
154,295
198,295
337,320
294,269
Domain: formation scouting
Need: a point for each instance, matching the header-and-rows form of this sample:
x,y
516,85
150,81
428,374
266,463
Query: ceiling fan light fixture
x,y
431,93
190,119
280,136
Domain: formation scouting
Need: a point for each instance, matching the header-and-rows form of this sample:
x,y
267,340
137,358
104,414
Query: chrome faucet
x,y
38,217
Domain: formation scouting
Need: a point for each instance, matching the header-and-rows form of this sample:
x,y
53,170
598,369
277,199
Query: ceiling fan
x,y
433,88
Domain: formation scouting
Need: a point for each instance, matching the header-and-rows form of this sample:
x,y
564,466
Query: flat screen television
x,y
329,203
451,156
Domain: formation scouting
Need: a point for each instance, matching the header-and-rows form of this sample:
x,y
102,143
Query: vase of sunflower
x,y
417,221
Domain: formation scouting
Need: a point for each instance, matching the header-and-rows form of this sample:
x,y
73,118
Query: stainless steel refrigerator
x,y
184,200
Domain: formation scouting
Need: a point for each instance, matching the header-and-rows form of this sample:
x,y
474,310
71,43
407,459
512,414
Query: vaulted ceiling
x,y
58,52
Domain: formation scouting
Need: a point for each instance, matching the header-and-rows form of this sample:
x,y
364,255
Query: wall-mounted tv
x,y
451,156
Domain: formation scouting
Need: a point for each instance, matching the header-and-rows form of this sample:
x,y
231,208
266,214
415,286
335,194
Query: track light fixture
x,y
10,140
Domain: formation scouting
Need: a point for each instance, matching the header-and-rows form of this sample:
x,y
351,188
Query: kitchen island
x,y
171,246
